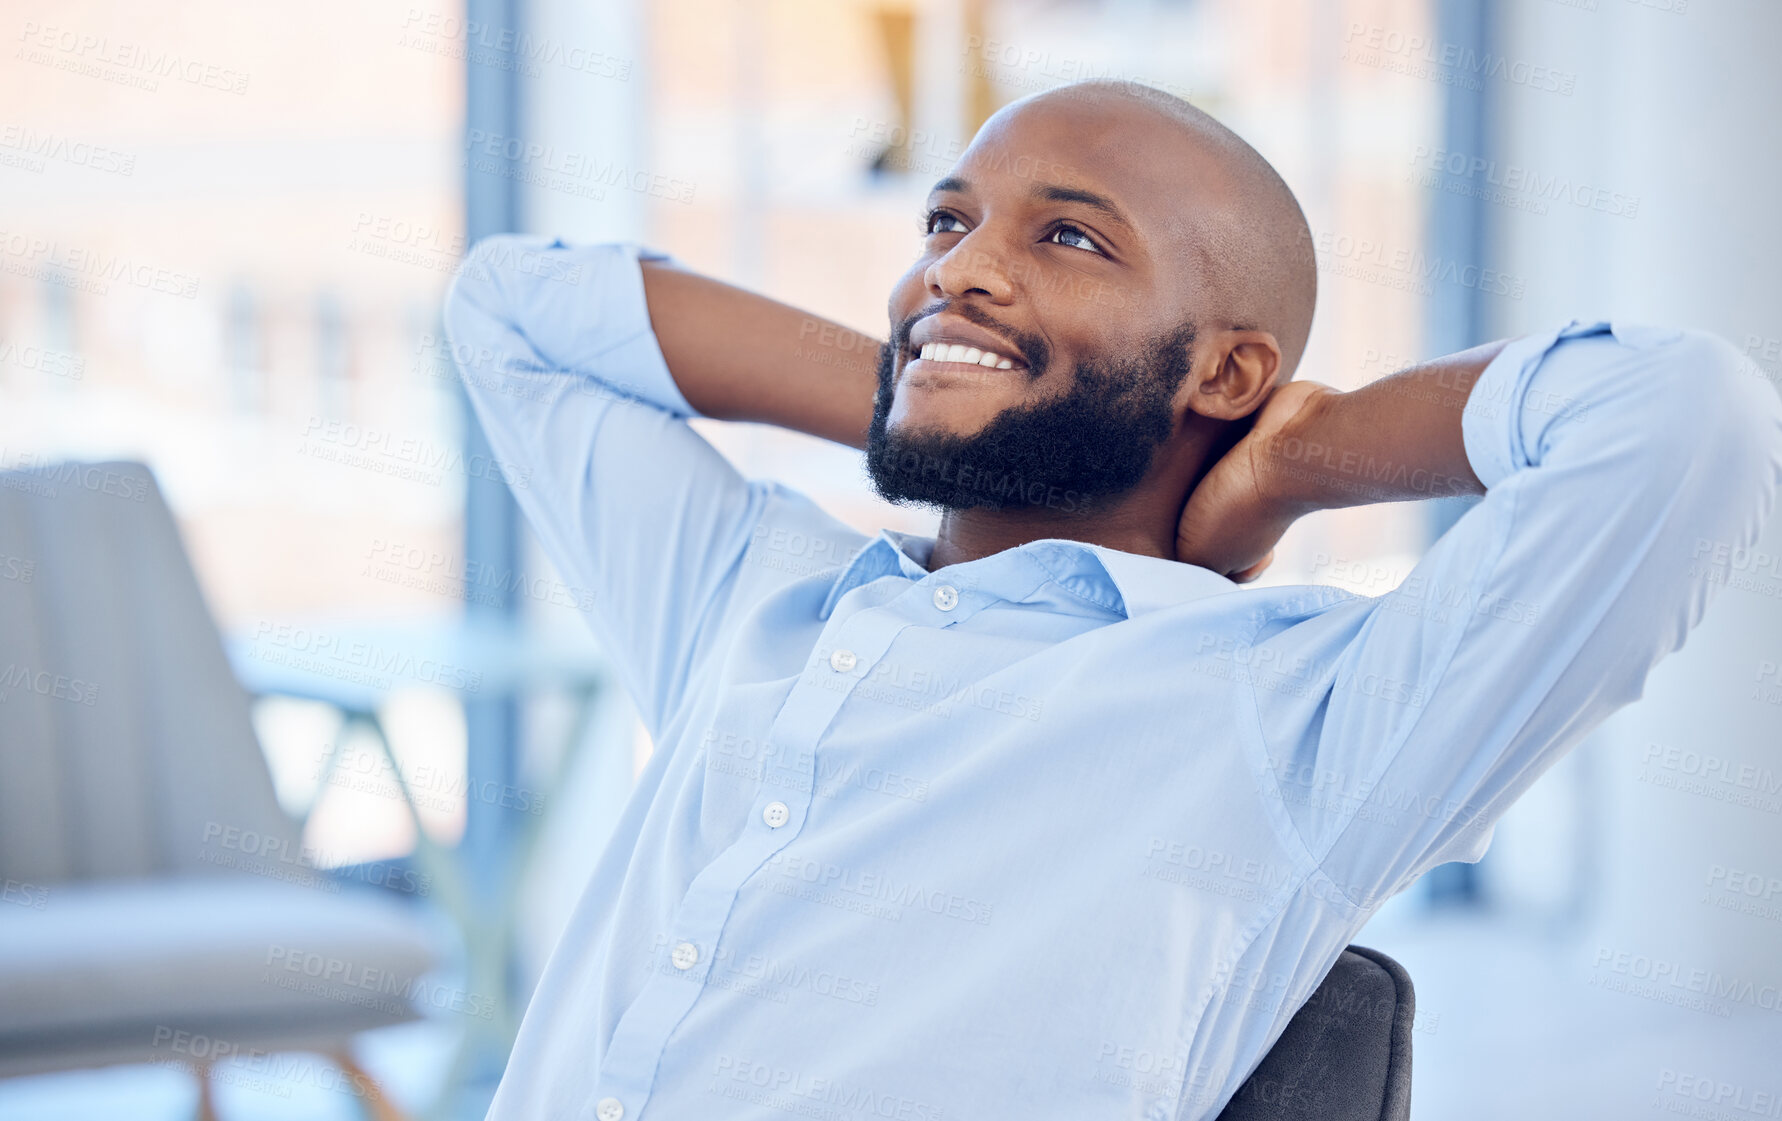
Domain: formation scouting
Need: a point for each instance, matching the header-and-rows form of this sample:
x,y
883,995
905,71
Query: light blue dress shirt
x,y
1062,832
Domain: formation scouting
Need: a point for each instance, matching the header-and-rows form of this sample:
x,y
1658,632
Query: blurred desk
x,y
356,667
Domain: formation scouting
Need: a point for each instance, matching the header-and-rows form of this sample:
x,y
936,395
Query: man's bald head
x,y
1244,228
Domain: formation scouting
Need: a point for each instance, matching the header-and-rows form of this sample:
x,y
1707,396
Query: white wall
x,y
1676,102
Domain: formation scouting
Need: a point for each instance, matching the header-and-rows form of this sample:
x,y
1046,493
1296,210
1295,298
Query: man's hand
x,y
1236,514
1314,448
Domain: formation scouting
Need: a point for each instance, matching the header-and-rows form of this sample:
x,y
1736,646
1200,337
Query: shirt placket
x,y
851,645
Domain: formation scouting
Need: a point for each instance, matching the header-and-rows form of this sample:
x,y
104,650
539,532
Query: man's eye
x,y
937,223
1075,238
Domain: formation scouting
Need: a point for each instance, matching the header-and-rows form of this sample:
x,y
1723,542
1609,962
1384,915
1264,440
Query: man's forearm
x,y
1392,440
736,355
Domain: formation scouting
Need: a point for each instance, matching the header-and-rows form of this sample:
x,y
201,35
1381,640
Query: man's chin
x,y
956,412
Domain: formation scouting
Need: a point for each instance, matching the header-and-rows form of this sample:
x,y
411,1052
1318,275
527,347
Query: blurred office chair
x,y
1346,1054
155,904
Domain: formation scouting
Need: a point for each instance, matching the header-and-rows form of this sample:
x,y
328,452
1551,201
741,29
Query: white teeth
x,y
969,355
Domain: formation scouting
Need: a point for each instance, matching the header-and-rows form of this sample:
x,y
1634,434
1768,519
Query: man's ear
x,y
1244,365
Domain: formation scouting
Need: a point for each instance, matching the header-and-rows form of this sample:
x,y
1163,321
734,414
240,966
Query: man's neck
x,y
1142,521
966,535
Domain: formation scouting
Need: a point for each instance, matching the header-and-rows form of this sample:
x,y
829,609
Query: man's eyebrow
x,y
1054,193
1051,192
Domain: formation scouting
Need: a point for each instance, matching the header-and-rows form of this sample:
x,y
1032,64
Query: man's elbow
x,y
1724,424
476,293
1724,399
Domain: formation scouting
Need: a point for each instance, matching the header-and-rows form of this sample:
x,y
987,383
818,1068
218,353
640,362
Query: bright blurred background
x,y
230,266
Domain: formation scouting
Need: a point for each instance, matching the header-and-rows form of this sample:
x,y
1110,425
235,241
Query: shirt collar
x,y
1128,584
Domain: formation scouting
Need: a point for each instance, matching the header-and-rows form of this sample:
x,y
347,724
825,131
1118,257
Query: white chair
x,y
152,894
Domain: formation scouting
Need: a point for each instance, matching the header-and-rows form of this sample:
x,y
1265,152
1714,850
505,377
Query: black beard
x,y
1068,454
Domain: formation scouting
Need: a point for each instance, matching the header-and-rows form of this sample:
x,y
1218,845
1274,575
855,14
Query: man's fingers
x,y
1254,570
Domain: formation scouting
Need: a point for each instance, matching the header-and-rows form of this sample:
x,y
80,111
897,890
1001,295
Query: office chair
x,y
1346,1054
152,893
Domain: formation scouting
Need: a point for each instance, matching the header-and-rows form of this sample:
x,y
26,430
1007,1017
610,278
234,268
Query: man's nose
x,y
970,268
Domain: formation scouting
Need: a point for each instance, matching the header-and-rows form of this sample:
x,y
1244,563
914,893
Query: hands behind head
x,y
1237,513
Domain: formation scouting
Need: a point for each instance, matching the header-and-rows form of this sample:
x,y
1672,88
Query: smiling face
x,y
1066,308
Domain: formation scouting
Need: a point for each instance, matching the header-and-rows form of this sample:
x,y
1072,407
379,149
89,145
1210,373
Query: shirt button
x,y
685,956
610,1109
841,661
946,597
775,814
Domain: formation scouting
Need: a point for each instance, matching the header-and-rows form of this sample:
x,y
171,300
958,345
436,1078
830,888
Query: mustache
x,y
1034,350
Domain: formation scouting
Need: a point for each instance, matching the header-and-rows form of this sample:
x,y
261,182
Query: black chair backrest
x,y
1346,1054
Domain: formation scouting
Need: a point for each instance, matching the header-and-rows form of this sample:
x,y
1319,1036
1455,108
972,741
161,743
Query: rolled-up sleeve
x,y
639,513
1610,455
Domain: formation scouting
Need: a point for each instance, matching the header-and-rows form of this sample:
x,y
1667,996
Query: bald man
x,y
1049,816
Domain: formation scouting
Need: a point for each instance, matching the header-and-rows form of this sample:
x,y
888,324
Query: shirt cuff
x,y
636,364
586,314
1491,425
